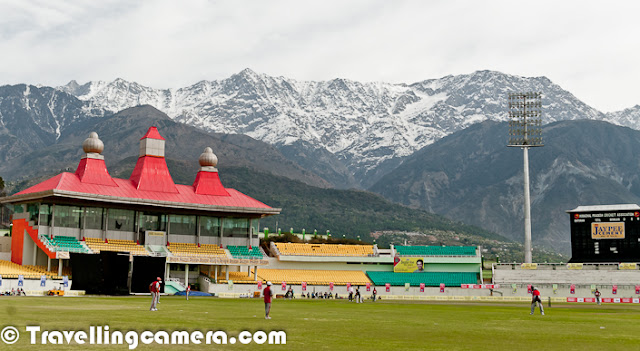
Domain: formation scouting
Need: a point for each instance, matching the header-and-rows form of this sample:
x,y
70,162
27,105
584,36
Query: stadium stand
x,y
184,249
97,245
297,249
428,278
64,243
312,277
10,270
236,277
42,270
244,252
436,250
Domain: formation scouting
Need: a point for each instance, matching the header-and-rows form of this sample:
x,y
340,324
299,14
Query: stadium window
x,y
122,220
68,216
209,226
153,221
33,210
93,217
45,214
236,227
182,224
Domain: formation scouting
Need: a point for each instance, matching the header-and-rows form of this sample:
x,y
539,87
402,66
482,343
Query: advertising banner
x,y
368,286
572,289
637,289
65,281
409,265
611,230
614,290
43,280
1,281
21,280
628,266
304,286
387,287
574,266
407,286
348,287
529,289
284,286
331,286
259,285
421,287
441,287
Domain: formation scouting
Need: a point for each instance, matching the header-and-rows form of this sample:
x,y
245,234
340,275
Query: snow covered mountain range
x,y
351,133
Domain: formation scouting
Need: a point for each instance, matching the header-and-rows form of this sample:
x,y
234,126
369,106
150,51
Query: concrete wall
x,y
5,244
274,263
587,277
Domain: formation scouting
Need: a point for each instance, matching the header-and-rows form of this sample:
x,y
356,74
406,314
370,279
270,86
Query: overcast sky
x,y
590,48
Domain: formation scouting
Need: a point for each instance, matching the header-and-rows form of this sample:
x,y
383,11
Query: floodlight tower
x,y
524,132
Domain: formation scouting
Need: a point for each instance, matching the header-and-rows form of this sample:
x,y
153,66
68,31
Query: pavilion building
x,y
147,214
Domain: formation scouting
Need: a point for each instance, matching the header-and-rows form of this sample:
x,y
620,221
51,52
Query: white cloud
x,y
587,47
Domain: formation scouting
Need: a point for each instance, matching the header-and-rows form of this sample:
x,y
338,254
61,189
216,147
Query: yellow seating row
x,y
186,249
118,245
299,249
312,277
236,277
12,270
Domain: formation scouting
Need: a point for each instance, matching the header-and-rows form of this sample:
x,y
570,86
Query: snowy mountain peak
x,y
365,125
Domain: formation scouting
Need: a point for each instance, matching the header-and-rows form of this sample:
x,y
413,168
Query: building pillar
x,y
35,251
227,272
216,276
186,274
105,216
59,267
48,264
255,273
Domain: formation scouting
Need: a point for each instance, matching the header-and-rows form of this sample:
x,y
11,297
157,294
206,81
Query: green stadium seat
x,y
428,278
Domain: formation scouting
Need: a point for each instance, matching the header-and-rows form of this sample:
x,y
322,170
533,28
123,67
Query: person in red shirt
x,y
597,294
535,299
267,293
187,291
154,288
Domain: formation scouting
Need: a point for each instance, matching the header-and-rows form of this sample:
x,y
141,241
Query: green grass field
x,y
330,325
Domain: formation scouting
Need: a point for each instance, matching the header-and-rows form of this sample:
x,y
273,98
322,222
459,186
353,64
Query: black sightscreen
x,y
106,273
146,270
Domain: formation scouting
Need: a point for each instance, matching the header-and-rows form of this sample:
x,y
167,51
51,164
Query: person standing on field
x,y
268,294
187,291
535,299
597,294
154,288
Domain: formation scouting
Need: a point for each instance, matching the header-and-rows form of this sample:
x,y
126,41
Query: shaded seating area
x,y
53,274
10,270
64,243
184,249
236,277
97,245
436,250
428,278
305,249
312,277
245,253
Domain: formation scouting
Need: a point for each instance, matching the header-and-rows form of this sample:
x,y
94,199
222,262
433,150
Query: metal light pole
x,y
525,132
